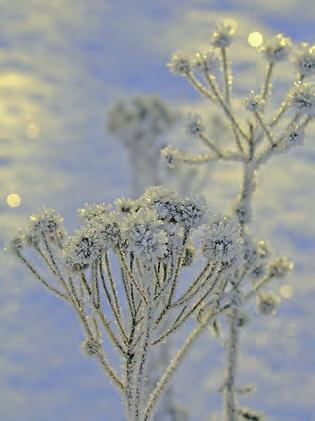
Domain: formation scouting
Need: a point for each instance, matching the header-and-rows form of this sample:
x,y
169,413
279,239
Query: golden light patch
x,y
14,200
286,291
255,39
32,130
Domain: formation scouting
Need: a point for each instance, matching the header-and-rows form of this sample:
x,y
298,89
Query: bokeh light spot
x,y
286,291
32,131
13,200
255,39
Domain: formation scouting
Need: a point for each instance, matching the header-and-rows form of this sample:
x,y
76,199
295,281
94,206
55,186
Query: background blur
x,y
62,64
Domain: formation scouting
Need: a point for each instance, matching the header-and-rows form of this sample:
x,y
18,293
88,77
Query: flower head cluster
x,y
126,206
277,49
303,98
194,125
253,102
304,59
91,347
17,243
280,268
189,212
83,248
145,235
170,155
267,303
46,223
180,64
222,242
91,211
223,35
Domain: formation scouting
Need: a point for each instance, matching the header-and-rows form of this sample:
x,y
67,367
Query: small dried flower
x,y
304,59
253,102
189,255
90,211
145,235
170,155
277,49
223,35
16,244
267,303
192,212
280,268
303,98
48,223
222,242
194,125
126,206
91,347
180,64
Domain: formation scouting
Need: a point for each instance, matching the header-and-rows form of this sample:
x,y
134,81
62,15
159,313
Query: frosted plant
x,y
121,273
255,138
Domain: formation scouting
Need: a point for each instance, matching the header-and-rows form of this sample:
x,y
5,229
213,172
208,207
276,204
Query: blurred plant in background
x,y
121,271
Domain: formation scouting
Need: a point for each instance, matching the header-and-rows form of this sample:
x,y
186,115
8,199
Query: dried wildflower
x,y
280,268
91,347
267,303
145,235
253,102
194,125
223,35
180,64
206,62
304,59
83,248
222,241
303,98
192,212
170,155
164,201
189,255
17,243
48,223
90,211
277,49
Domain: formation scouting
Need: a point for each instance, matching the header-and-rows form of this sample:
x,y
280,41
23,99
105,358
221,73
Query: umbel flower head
x,y
194,125
170,155
253,102
267,303
223,35
221,242
304,59
277,49
189,212
90,211
280,268
145,236
45,223
180,64
303,98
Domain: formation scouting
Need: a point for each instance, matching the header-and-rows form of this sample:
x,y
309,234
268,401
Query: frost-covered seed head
x,y
91,347
304,59
189,255
16,244
145,235
267,303
222,241
180,64
277,49
223,35
280,268
83,248
253,102
192,212
90,211
303,98
206,62
48,223
195,125
164,201
170,155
